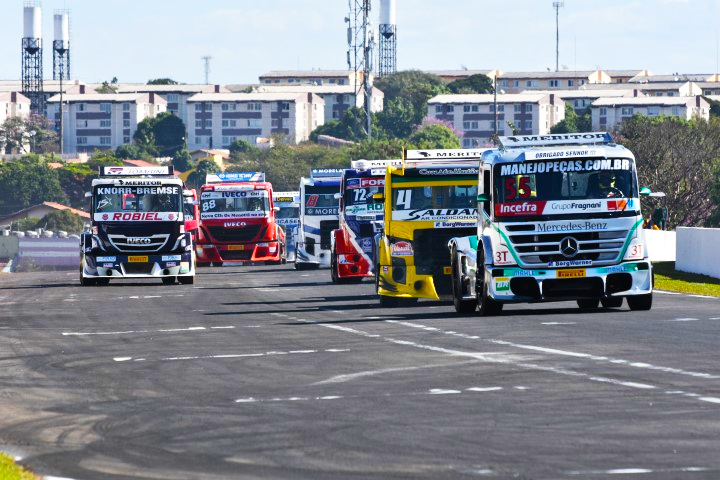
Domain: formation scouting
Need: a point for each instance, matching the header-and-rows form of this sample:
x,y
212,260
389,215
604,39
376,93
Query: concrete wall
x,y
661,245
697,250
8,246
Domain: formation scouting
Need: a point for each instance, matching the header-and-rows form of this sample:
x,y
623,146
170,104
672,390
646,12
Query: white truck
x,y
558,219
319,216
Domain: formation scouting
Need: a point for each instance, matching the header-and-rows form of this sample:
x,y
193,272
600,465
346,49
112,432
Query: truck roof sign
x,y
107,171
326,172
235,177
555,139
364,165
559,153
446,154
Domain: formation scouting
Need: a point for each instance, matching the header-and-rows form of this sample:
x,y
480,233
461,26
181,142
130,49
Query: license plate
x,y
447,270
138,259
236,247
571,273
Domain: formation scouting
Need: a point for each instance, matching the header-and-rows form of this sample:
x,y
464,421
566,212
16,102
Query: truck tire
x,y
611,302
461,305
588,303
486,306
333,267
169,280
389,302
640,302
186,280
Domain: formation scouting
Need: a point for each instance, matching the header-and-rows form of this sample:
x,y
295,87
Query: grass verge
x,y
9,470
667,278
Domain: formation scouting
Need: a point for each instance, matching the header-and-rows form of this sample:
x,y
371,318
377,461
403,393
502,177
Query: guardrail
x,y
697,250
47,254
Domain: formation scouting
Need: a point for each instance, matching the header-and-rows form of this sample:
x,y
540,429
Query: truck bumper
x,y
239,253
138,266
404,282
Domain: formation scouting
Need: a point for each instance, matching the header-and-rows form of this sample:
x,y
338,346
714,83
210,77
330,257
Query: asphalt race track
x,y
268,372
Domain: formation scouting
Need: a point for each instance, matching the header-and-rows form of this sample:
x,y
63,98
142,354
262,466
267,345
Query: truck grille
x,y
326,228
245,234
430,248
131,244
537,249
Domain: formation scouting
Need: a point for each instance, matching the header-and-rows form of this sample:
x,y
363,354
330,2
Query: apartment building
x,y
94,121
474,115
313,77
515,82
607,113
12,104
338,98
582,99
452,75
176,95
216,120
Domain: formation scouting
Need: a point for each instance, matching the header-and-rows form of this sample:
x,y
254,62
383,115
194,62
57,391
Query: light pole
x,y
495,107
556,6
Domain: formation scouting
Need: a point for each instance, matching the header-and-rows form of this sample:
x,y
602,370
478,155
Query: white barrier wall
x,y
660,245
698,250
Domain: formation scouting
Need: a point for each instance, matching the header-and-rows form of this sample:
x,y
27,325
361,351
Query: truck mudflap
x,y
519,285
138,266
463,256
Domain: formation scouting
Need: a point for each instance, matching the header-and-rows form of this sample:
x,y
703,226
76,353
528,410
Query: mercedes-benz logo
x,y
569,247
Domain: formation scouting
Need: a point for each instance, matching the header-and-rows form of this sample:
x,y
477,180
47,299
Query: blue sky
x,y
136,40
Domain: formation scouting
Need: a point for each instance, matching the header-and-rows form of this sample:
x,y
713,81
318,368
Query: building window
x,y
198,124
501,108
172,97
226,141
82,140
438,109
627,111
531,83
516,83
198,107
554,83
571,83
653,111
198,140
225,123
274,123
468,142
676,111
471,125
105,107
224,107
208,123
126,107
603,111
470,108
517,107
450,108
104,123
285,106
81,107
502,83
254,123
126,123
341,82
254,106
528,125
104,140
126,140
208,106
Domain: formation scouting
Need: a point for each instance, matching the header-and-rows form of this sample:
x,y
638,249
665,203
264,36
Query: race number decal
x,y
404,198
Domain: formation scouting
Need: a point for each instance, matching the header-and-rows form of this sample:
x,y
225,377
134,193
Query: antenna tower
x,y
387,51
61,45
556,6
207,59
360,42
32,72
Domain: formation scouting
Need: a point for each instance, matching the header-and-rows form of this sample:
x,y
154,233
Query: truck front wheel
x,y
461,305
640,302
486,305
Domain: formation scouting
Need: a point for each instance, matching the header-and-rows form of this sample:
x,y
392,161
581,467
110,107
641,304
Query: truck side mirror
x,y
88,194
378,197
276,209
187,193
483,197
337,196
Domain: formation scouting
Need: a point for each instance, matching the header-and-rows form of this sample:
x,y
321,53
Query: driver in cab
x,y
605,185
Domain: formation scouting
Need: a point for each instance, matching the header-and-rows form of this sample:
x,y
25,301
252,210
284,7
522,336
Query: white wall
x,y
661,245
697,250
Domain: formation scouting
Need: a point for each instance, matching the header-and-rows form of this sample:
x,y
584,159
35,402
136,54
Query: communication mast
x,y
61,45
359,57
32,71
387,56
207,59
556,6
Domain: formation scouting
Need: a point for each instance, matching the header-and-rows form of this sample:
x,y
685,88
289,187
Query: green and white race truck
x,y
558,219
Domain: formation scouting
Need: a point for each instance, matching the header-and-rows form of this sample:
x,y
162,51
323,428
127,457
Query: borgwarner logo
x,y
138,241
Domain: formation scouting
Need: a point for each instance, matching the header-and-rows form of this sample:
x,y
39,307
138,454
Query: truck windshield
x,y
321,196
138,199
361,195
288,212
565,186
246,203
445,196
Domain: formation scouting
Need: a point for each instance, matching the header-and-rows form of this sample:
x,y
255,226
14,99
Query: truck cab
x,y
237,221
428,200
288,217
137,228
318,217
360,218
558,219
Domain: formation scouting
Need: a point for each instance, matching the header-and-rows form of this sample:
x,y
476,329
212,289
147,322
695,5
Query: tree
x,y
169,132
679,158
130,152
144,136
182,161
397,119
434,137
569,123
242,146
162,81
197,177
473,84
102,158
31,134
351,127
414,86
26,182
108,87
62,220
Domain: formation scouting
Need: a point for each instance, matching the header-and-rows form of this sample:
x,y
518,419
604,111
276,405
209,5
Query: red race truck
x,y
237,221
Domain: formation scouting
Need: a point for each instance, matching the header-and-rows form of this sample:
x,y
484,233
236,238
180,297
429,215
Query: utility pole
x,y
207,59
556,6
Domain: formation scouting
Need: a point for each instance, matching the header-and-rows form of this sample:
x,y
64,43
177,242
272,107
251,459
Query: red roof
x,y
60,206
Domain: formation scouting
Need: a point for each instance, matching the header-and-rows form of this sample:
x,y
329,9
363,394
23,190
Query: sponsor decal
x,y
138,190
138,241
571,227
171,264
372,182
573,206
437,214
385,269
137,217
138,259
365,217
352,182
502,284
447,270
522,273
236,247
401,249
171,258
284,199
219,215
135,171
528,168
231,188
234,194
287,221
322,211
593,137
449,171
234,224
108,265
514,209
617,269
570,263
367,245
184,267
105,259
137,183
571,273
460,224
623,204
